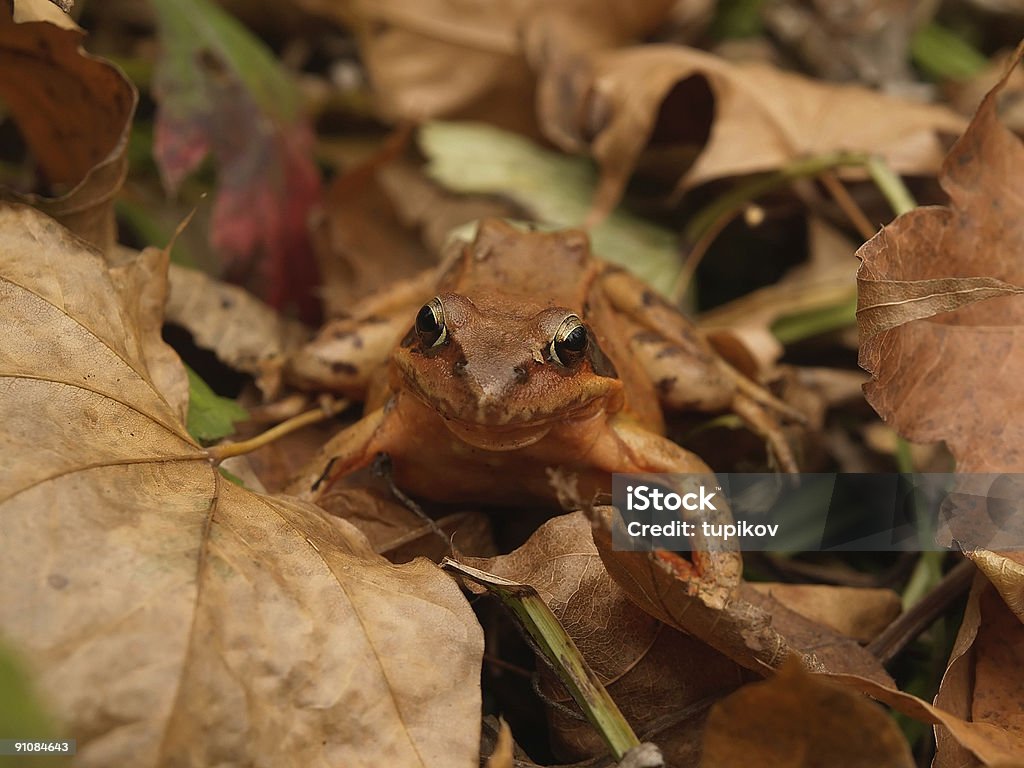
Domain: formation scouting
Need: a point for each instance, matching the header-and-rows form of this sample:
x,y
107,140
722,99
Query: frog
x,y
522,355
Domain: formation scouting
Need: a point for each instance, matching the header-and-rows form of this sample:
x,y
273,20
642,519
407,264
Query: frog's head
x,y
503,371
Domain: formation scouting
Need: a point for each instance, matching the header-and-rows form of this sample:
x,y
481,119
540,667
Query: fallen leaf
x,y
447,58
797,719
74,112
741,118
754,630
169,615
503,754
825,282
659,677
984,680
220,90
361,244
990,744
945,356
857,612
241,330
555,190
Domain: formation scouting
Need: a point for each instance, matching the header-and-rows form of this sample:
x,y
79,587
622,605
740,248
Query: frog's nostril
x,y
521,374
459,368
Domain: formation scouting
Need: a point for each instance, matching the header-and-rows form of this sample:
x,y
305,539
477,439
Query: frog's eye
x,y
430,324
570,341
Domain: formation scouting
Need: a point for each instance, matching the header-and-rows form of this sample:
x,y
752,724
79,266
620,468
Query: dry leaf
x,y
742,118
449,58
953,376
825,281
984,681
797,719
241,330
74,112
503,754
990,744
360,243
659,677
170,616
857,612
752,629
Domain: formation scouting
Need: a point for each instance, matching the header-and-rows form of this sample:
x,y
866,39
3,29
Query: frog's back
x,y
545,268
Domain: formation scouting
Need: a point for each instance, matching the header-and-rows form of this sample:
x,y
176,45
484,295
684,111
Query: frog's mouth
x,y
491,438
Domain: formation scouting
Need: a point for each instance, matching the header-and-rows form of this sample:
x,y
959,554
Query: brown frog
x,y
525,354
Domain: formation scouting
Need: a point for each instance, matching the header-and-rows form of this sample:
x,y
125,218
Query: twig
x,y
908,625
218,453
849,206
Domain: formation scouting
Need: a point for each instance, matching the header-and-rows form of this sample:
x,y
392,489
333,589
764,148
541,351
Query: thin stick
x,y
849,206
218,453
908,625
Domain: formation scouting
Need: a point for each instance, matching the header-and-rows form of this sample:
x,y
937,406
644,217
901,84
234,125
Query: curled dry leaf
x,y
659,677
169,615
984,681
753,629
742,118
941,310
74,112
241,330
792,716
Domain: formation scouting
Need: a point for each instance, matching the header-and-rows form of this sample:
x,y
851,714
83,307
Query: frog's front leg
x,y
688,373
629,448
348,451
345,353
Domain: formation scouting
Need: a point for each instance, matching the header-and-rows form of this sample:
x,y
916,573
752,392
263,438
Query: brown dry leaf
x,y
241,330
74,112
826,280
169,615
944,367
360,243
751,628
989,743
857,612
503,754
450,58
984,681
658,677
797,719
742,118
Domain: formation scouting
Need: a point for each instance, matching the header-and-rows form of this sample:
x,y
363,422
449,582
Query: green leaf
x,y
556,189
210,416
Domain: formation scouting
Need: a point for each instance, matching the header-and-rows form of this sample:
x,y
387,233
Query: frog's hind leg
x,y
688,373
347,351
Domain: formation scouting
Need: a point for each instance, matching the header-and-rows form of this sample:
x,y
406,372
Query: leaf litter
x,y
236,597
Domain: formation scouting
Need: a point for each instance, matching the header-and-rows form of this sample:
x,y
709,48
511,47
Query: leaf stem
x,y
891,186
560,652
218,453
